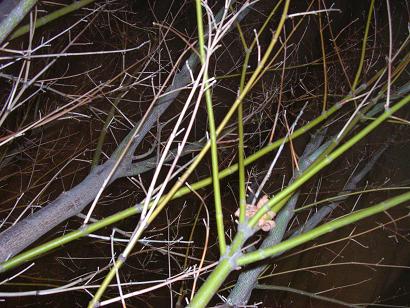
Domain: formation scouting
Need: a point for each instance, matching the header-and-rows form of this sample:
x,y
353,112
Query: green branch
x,y
51,17
364,43
74,235
212,133
262,254
233,258
275,203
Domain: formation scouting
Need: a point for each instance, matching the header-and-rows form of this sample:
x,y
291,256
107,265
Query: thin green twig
x,y
363,51
212,133
323,229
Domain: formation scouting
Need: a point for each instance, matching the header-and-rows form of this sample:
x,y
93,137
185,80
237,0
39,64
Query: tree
x,y
283,70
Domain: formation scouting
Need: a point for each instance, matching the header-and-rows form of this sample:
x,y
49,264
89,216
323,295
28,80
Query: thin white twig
x,y
313,12
389,59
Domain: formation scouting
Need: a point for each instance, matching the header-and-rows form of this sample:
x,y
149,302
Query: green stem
x,y
217,277
241,145
74,235
95,301
322,45
212,134
213,283
262,254
103,133
274,202
343,196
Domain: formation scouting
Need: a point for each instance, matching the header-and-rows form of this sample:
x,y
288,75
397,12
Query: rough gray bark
x,y
72,203
11,13
68,204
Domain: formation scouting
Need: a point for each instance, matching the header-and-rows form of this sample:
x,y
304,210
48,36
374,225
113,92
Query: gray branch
x,y
248,280
11,14
151,163
70,203
73,202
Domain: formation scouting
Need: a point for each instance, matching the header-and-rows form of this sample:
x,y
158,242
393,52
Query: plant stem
x,y
212,133
74,235
218,276
322,45
262,254
241,146
364,43
274,202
